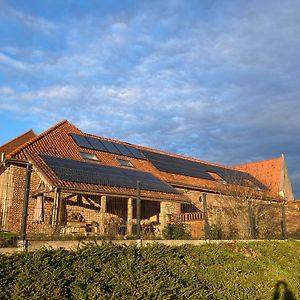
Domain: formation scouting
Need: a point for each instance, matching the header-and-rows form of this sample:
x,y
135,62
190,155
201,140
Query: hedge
x,y
256,270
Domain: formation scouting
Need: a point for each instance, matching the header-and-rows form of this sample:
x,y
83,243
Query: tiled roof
x,y
266,171
17,142
57,141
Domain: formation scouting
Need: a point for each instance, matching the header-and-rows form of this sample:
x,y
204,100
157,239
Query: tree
x,y
244,211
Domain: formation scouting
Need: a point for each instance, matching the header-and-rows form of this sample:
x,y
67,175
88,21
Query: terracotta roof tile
x,y
57,141
266,171
17,142
19,151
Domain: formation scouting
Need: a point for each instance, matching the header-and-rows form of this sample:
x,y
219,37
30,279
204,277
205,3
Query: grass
x,y
254,270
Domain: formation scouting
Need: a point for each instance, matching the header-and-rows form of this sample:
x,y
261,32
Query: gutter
x,y
7,162
121,195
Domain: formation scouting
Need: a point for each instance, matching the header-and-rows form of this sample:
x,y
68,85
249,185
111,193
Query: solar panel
x,y
170,164
122,149
106,146
81,140
175,165
91,173
135,152
96,143
110,147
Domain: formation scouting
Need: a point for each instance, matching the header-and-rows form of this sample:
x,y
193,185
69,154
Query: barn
x,y
80,184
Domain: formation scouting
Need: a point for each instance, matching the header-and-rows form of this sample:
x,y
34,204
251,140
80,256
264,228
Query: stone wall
x,y
197,228
231,218
16,208
173,208
220,209
11,198
6,193
292,212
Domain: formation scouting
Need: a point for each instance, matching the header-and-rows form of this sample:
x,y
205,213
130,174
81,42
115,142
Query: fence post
x,y
103,209
283,223
205,217
56,206
25,205
138,210
251,221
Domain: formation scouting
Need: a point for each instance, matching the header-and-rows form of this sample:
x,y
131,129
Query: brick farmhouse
x,y
85,184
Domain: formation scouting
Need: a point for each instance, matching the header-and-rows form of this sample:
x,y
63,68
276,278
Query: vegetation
x,y
8,239
228,271
177,231
248,213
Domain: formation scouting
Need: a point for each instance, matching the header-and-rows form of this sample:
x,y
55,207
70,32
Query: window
x,y
125,163
189,208
89,156
217,177
38,214
251,184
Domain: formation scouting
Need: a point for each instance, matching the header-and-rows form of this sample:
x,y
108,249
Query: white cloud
x,y
6,61
222,86
6,90
34,22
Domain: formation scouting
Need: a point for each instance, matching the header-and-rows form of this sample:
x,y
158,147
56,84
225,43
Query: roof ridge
x,y
258,161
109,139
182,156
36,138
19,136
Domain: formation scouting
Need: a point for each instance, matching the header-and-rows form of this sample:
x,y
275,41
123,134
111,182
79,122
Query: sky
x,y
215,80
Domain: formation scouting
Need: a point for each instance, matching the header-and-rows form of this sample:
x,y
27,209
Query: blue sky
x,y
217,80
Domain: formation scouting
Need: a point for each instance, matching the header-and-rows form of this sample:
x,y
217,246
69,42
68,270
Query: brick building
x,y
84,184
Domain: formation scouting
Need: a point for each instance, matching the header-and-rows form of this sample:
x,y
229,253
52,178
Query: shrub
x,y
8,239
177,231
256,270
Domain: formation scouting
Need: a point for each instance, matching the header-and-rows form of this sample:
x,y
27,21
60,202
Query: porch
x,y
67,213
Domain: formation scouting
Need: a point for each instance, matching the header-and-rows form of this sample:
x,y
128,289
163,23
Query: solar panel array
x,y
175,165
91,173
106,146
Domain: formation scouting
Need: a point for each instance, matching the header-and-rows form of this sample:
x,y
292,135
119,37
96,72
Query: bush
x,y
177,231
256,270
294,235
8,239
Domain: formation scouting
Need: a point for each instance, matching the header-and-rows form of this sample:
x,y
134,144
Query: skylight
x,y
125,163
89,156
217,177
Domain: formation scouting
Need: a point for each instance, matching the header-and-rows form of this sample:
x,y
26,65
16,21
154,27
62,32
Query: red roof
x,y
57,142
266,171
17,142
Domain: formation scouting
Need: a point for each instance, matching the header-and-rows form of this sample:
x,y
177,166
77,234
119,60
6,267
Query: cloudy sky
x,y
217,80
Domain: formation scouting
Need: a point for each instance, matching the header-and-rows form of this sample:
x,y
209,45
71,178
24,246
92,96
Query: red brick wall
x,y
197,228
15,211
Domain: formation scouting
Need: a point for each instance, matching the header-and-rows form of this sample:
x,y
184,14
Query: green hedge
x,y
177,231
260,270
8,239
